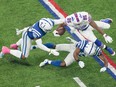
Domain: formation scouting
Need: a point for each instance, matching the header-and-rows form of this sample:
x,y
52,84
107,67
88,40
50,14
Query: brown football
x,y
61,30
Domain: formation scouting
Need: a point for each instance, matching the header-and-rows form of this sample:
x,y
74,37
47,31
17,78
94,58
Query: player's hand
x,y
103,69
81,64
107,38
17,31
54,52
55,33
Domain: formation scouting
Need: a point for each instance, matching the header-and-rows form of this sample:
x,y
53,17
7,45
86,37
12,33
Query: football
x,y
61,30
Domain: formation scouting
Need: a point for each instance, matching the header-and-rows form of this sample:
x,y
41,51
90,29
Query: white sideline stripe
x,y
37,86
81,84
112,68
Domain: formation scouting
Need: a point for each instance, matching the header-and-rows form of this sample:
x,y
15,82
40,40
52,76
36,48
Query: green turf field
x,y
26,73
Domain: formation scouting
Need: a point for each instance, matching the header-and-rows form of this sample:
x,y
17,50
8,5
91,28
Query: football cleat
x,y
113,53
45,62
107,20
5,50
14,46
1,55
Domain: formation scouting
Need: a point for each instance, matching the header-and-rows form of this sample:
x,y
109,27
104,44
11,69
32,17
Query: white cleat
x,y
1,55
70,40
113,53
43,63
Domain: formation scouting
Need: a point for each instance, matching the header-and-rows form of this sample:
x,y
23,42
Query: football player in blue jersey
x,y
34,32
76,50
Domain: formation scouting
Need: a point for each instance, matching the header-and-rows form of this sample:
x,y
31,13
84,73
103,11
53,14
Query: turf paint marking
x,y
80,83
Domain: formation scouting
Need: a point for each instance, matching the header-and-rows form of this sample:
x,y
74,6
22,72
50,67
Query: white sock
x,y
19,42
49,62
16,53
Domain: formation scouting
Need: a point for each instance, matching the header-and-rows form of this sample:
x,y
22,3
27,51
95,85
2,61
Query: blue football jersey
x,y
82,44
35,32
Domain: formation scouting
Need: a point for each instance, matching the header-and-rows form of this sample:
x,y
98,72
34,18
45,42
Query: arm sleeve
x,y
41,46
58,21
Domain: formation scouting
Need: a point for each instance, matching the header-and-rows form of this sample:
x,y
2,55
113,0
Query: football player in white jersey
x,y
82,24
34,32
76,50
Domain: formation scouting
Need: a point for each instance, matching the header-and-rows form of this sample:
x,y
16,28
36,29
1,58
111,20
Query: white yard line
x,y
80,83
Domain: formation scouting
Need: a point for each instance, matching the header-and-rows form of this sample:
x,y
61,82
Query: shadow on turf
x,y
21,62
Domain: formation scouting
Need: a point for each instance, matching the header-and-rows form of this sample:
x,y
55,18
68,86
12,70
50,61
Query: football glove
x,y
54,52
81,64
108,39
55,33
103,69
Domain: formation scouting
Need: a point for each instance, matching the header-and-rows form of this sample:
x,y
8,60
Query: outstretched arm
x,y
75,55
103,69
94,25
43,47
107,38
102,57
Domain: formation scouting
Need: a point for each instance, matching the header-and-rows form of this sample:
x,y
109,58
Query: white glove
x,y
54,52
103,69
81,64
18,31
108,39
71,40
56,33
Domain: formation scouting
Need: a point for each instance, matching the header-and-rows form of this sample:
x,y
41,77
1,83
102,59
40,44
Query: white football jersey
x,y
79,20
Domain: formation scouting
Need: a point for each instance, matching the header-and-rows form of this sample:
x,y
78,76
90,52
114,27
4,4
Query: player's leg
x,y
16,45
102,25
65,47
48,45
24,47
107,20
67,61
88,34
57,63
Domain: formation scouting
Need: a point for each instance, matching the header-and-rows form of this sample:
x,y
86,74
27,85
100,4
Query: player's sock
x,y
98,43
56,62
110,50
16,53
50,45
107,20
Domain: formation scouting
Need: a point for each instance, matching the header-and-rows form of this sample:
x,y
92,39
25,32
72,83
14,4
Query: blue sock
x,y
50,45
56,63
109,50
98,43
107,21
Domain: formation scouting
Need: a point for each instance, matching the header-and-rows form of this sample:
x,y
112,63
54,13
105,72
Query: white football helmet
x,y
90,49
46,24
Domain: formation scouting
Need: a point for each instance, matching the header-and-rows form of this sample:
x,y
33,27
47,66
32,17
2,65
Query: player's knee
x,y
63,64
